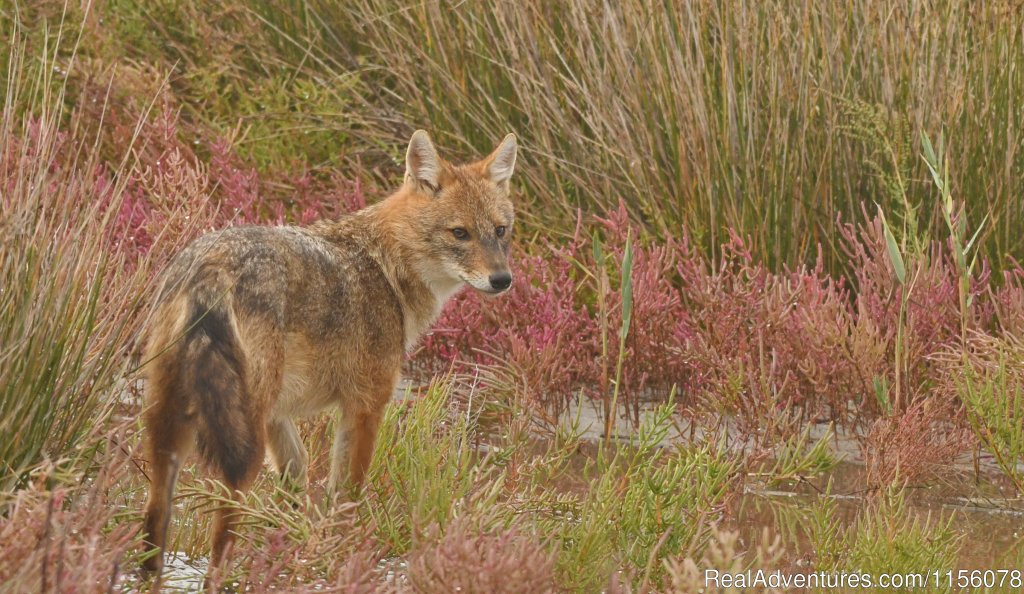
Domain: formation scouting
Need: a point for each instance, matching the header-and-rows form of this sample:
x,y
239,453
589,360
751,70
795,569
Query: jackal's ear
x,y
500,164
422,164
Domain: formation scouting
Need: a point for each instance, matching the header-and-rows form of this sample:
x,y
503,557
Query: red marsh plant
x,y
765,344
69,539
173,195
248,196
904,346
167,196
731,334
914,445
464,559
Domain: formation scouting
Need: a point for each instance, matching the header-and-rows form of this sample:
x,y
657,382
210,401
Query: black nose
x,y
500,281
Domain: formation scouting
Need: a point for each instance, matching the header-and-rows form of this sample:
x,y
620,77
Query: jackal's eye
x,y
460,234
500,231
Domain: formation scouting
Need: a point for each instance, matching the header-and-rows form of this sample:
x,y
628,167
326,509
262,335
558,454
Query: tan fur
x,y
257,326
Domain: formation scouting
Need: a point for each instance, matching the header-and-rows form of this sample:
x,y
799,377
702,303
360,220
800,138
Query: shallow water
x,y
182,574
982,508
981,504
989,524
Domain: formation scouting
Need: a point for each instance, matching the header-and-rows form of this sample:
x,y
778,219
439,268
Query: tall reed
x,y
711,114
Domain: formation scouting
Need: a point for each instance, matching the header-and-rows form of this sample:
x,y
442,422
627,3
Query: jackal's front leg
x,y
354,441
339,456
287,451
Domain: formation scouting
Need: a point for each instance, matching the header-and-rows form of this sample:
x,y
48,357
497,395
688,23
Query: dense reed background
x,y
738,115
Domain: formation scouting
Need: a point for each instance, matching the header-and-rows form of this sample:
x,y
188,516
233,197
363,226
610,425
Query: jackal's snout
x,y
494,281
500,281
488,270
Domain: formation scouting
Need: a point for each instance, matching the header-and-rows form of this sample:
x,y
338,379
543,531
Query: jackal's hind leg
x,y
226,517
170,436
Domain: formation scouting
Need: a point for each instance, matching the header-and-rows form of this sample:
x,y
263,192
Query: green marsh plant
x,y
993,399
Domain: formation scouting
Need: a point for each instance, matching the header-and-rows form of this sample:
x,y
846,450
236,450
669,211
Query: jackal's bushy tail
x,y
213,373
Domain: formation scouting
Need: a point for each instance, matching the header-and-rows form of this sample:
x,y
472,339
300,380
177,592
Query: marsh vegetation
x,y
769,310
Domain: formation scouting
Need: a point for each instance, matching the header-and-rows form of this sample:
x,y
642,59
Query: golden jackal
x,y
255,326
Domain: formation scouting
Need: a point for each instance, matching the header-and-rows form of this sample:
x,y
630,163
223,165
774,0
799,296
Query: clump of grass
x,y
824,533
426,470
887,538
51,300
646,502
68,302
725,554
671,496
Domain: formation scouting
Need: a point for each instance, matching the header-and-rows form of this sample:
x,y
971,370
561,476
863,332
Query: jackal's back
x,y
326,290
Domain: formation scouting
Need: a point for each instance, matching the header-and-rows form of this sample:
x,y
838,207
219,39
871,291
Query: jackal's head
x,y
462,216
